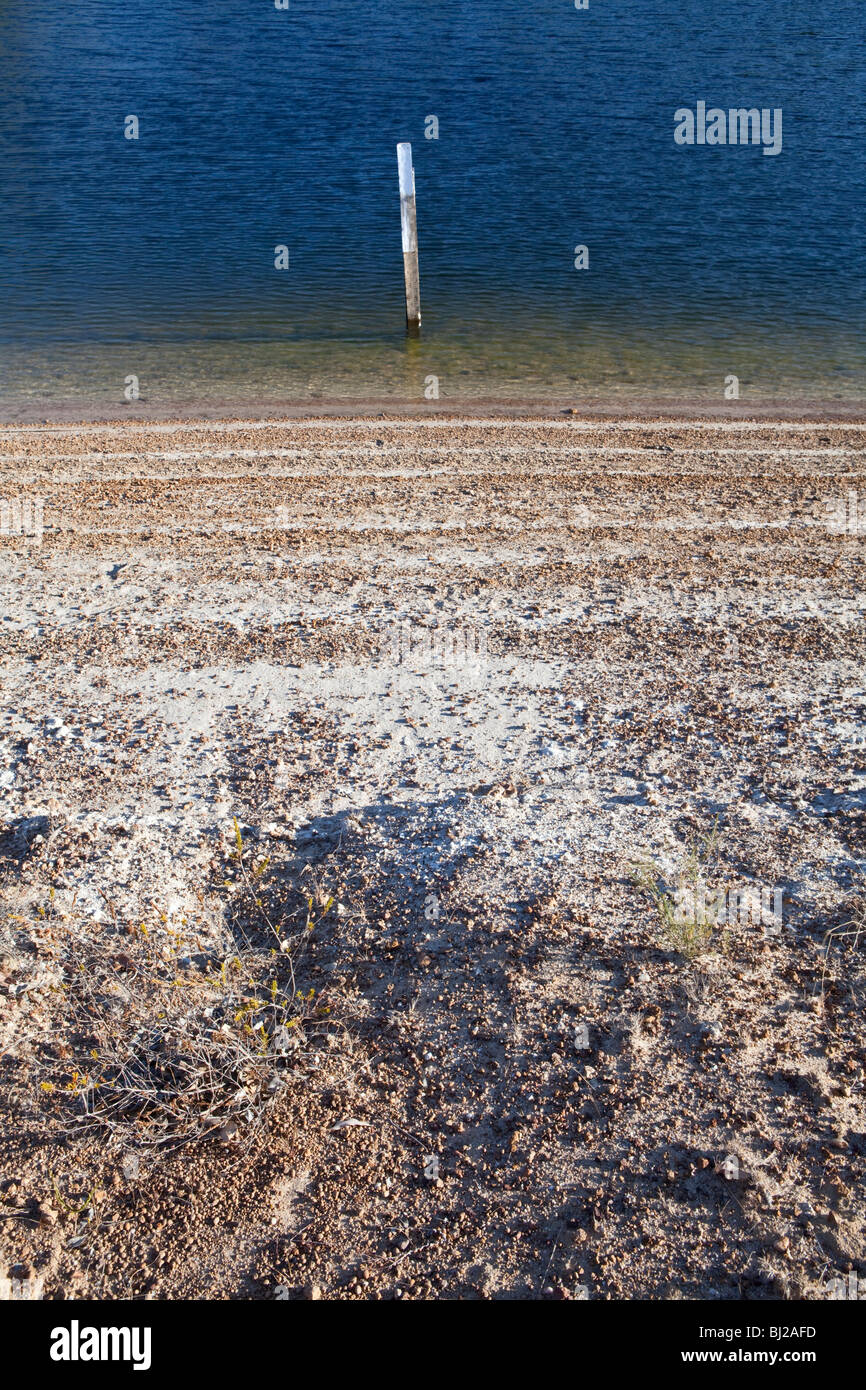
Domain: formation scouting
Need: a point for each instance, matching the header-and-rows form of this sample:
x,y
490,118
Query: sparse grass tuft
x,y
687,922
172,1031
849,931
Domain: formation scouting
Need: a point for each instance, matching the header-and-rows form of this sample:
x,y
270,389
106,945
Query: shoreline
x,y
482,409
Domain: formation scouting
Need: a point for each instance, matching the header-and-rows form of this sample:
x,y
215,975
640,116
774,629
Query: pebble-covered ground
x,y
352,773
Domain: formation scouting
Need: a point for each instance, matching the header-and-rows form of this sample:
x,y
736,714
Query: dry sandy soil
x,y
336,957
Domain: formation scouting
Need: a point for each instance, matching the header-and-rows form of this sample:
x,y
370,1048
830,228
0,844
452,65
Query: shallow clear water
x,y
260,127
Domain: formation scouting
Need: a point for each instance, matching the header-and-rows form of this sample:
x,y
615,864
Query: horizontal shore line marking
x,y
322,527
472,451
300,424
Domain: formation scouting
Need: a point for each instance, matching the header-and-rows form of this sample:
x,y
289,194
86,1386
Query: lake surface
x,y
261,127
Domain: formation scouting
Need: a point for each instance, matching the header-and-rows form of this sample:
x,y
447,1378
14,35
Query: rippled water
x,y
260,127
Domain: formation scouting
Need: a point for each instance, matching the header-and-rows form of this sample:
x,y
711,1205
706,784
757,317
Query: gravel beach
x,y
355,774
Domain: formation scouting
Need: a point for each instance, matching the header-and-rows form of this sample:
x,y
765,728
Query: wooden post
x,y
410,235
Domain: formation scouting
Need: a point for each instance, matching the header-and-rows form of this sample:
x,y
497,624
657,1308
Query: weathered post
x,y
410,235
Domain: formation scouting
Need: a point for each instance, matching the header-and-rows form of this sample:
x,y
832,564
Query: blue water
x,y
261,127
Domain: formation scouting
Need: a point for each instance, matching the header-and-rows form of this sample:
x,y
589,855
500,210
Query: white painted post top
x,y
406,172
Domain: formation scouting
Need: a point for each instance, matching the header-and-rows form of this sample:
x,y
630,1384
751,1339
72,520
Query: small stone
x,y
130,1166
